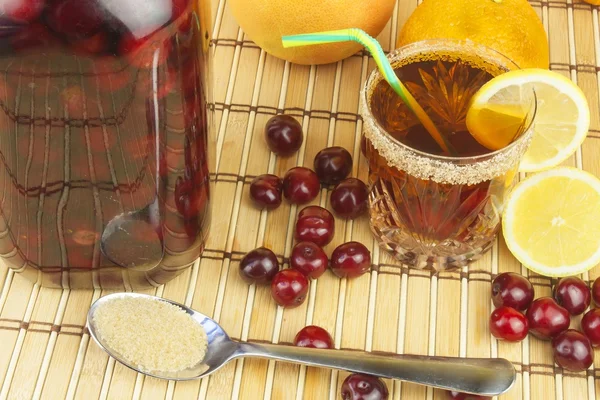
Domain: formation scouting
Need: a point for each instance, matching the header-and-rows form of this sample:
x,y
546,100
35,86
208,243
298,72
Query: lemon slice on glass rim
x,y
550,222
561,121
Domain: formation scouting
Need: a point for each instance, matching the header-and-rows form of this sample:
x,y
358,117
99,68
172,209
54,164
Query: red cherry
x,y
590,324
315,337
110,74
283,135
332,165
97,139
84,237
34,35
315,224
573,294
350,260
22,10
141,52
512,290
111,83
80,258
265,191
189,198
80,232
363,146
178,8
193,227
300,185
289,288
596,291
466,396
95,44
169,86
309,259
349,198
508,324
72,19
259,266
546,318
573,351
364,387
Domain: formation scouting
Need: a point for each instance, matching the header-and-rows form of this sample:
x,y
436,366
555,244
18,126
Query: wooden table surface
x,y
45,351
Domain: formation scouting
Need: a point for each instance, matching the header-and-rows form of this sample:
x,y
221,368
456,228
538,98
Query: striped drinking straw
x,y
360,36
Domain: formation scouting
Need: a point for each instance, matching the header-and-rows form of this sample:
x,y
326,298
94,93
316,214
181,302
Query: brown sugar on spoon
x,y
152,335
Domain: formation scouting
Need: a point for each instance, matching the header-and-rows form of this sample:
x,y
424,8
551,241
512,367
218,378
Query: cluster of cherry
x,y
548,318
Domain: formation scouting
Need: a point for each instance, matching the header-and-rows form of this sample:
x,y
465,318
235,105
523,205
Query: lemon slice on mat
x,y
561,121
550,222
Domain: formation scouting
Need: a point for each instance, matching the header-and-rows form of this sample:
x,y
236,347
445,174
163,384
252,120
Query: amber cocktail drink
x,y
433,208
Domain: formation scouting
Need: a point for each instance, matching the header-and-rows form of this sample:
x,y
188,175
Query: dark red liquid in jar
x,y
104,140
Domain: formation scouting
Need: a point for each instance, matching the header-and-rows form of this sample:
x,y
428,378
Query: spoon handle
x,y
489,377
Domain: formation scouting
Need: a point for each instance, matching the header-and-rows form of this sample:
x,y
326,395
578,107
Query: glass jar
x,y
105,138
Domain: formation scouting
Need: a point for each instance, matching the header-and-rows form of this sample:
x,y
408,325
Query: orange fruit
x,y
266,21
510,27
594,2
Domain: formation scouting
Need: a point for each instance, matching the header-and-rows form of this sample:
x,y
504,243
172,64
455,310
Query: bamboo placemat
x,y
45,351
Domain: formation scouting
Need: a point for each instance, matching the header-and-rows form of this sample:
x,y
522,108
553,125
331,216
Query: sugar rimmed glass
x,y
435,211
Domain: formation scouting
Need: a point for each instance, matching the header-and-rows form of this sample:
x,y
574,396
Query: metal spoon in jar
x,y
122,242
482,376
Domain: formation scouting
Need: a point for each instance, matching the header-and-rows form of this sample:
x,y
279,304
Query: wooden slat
x,y
34,345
